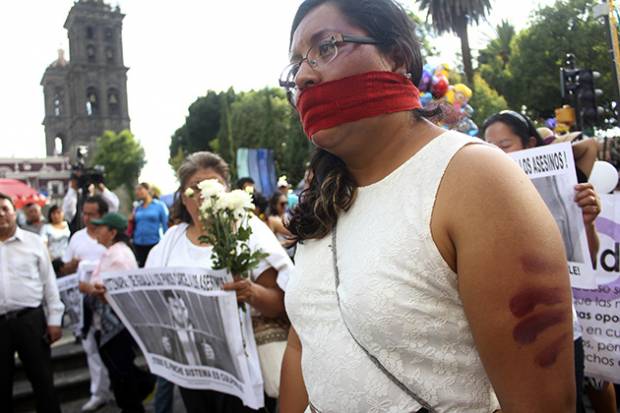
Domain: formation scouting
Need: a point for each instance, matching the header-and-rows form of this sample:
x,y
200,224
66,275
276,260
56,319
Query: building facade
x,y
49,176
87,94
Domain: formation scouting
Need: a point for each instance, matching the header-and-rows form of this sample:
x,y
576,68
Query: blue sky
x,y
176,51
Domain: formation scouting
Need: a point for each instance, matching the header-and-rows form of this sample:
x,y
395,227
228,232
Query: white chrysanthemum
x,y
237,201
189,192
210,187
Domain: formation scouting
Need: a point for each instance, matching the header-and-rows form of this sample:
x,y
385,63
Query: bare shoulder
x,y
481,178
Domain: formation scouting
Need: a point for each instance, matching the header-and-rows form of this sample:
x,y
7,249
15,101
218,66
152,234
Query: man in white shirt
x,y
70,201
84,248
27,283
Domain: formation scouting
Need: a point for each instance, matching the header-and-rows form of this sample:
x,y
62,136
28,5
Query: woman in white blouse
x,y
56,234
181,246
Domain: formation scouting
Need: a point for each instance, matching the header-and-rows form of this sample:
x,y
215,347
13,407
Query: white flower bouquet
x,y
224,217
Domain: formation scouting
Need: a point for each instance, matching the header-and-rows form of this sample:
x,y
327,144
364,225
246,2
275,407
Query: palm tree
x,y
454,16
500,46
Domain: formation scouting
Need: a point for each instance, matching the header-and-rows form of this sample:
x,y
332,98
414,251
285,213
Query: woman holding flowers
x,y
201,175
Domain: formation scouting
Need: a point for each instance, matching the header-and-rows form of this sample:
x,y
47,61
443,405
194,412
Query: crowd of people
x,y
109,241
419,281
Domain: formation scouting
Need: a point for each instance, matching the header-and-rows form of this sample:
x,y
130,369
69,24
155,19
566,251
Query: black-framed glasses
x,y
317,56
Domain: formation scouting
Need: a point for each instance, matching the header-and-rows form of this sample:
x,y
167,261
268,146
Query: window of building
x,y
113,102
55,188
91,53
108,34
57,102
92,104
109,55
58,145
90,32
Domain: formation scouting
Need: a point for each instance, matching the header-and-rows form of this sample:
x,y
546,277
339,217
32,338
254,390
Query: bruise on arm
x,y
537,311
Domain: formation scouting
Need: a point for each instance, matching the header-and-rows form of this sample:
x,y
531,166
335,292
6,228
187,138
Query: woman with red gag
x,y
419,283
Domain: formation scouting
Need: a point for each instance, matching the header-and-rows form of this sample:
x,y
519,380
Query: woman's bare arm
x,y
293,394
585,153
512,277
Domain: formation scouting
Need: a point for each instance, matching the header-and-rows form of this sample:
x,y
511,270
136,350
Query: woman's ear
x,y
531,143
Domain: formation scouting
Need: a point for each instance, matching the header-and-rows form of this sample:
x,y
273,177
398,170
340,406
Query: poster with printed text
x,y
72,298
599,310
552,171
191,332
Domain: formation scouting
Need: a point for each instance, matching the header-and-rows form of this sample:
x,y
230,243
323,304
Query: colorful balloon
x,y
440,86
426,98
425,81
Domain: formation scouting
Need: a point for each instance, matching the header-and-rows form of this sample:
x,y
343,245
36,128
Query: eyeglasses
x,y
319,55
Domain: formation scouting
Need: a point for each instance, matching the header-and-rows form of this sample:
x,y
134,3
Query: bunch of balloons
x,y
435,89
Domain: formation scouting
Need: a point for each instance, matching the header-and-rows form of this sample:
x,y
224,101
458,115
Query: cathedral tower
x,y
87,95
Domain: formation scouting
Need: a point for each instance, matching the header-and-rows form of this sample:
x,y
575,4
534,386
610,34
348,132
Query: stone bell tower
x,y
88,94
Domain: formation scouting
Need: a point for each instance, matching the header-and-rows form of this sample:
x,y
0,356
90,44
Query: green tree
x,y
225,146
252,119
485,101
455,16
494,59
122,156
423,31
531,77
499,48
261,119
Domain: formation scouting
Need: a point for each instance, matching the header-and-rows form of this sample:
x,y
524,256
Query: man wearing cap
x,y
27,284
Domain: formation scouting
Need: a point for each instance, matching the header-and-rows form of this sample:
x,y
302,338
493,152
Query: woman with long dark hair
x,y
421,284
56,234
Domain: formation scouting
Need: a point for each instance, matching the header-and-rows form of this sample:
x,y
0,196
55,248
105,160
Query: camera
x,y
86,176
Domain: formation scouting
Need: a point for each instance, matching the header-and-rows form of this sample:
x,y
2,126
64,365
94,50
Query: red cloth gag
x,y
352,98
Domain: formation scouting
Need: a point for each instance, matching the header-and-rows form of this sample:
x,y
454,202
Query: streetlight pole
x,y
608,12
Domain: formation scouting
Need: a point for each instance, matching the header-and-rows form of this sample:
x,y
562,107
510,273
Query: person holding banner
x,y
511,131
417,282
264,291
130,384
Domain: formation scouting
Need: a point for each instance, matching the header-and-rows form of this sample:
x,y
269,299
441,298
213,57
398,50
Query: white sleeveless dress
x,y
399,298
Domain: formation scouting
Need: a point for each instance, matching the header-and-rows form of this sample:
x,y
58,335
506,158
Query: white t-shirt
x,y
176,250
83,247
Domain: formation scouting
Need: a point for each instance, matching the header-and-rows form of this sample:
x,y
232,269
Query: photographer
x,y
86,184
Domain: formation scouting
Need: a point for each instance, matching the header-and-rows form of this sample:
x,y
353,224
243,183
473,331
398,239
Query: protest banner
x,y
599,310
191,332
552,171
72,298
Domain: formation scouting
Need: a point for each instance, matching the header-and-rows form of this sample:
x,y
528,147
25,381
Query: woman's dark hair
x,y
242,181
192,164
121,236
145,185
518,123
52,209
273,203
260,202
331,187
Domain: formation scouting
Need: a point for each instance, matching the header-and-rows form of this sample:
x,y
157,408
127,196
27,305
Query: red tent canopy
x,y
21,193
